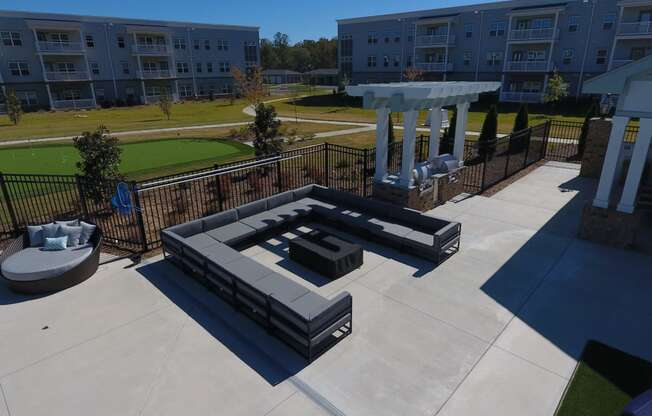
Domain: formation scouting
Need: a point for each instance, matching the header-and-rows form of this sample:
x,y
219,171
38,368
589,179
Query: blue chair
x,y
122,201
640,406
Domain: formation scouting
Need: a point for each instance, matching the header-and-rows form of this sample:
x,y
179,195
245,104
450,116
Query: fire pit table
x,y
326,254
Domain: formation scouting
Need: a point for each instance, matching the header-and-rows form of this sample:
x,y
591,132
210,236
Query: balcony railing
x,y
147,49
527,66
73,104
155,74
434,40
620,62
63,47
67,76
521,97
532,34
635,28
435,66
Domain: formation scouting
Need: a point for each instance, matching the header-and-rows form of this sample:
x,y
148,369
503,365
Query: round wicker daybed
x,y
31,270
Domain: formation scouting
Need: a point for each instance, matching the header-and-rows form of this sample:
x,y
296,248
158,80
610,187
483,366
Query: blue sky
x,y
300,19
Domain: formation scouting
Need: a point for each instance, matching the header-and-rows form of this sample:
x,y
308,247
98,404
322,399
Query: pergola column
x,y
609,167
435,127
460,131
382,131
409,139
636,166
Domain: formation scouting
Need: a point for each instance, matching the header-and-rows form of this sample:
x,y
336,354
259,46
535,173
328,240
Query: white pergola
x,y
409,98
633,84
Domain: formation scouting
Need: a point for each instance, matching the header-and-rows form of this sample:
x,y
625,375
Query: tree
x,y
581,144
412,74
302,56
100,162
556,90
14,109
250,84
165,104
521,122
281,44
265,129
488,134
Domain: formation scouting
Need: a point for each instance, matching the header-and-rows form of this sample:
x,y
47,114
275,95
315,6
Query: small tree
x,y
100,161
413,74
488,134
556,90
165,104
250,84
522,119
581,144
265,129
448,138
14,109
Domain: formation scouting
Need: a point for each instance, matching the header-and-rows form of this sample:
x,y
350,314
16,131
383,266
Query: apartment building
x,y
64,61
519,43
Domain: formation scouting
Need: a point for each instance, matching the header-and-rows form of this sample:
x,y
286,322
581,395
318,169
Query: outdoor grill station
x,y
426,185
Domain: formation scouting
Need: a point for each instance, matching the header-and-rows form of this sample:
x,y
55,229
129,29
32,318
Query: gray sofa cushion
x,y
172,240
232,233
312,203
33,263
217,220
35,233
378,226
220,254
416,238
283,289
70,223
263,221
188,229
292,210
251,208
87,232
199,241
72,232
50,230
302,192
280,199
246,270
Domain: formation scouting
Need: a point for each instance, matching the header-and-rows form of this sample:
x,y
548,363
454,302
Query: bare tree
x,y
413,74
250,84
14,109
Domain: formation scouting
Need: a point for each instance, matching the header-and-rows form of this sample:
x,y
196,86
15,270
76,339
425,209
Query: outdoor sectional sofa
x,y
305,320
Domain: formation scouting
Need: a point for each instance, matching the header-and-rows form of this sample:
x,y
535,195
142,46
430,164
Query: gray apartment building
x,y
519,43
66,61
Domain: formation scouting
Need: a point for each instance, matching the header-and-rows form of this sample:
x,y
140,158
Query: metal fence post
x,y
82,196
218,189
484,169
326,167
527,148
10,205
509,152
365,160
546,136
139,216
279,179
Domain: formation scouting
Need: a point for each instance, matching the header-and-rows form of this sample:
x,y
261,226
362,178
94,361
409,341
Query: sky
x,y
300,19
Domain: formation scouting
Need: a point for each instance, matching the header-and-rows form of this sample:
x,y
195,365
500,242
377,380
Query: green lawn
x,y
606,380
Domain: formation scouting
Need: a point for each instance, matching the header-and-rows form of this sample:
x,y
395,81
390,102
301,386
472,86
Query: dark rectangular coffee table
x,y
326,254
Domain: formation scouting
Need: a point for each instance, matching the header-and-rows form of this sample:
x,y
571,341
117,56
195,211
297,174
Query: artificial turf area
x,y
606,380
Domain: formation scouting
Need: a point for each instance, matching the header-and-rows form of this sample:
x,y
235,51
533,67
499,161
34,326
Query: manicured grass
x,y
606,380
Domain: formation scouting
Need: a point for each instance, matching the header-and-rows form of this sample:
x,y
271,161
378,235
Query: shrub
x,y
487,139
165,104
265,129
100,161
521,121
448,138
119,102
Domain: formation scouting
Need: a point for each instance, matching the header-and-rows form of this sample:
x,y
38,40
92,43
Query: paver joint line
x,y
4,398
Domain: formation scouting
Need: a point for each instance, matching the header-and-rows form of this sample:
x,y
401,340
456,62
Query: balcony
x,y
521,97
73,104
635,28
60,47
521,35
620,62
155,74
435,66
425,41
67,76
150,49
527,66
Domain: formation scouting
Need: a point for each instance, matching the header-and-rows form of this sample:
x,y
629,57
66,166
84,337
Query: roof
x,y
324,71
280,72
614,81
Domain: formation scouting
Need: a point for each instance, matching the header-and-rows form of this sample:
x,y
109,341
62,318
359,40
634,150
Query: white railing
x,y
527,66
73,104
532,34
620,62
67,76
155,74
432,40
66,47
635,28
150,49
521,97
435,66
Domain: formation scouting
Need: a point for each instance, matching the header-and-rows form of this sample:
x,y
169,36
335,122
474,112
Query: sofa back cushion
x,y
35,235
188,229
303,192
280,199
251,208
218,220
72,232
321,192
431,223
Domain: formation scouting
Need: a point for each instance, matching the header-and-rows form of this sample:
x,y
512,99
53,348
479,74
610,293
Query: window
x,y
637,53
71,94
497,29
185,90
225,67
601,56
608,21
372,38
468,55
494,58
95,68
121,42
209,67
11,39
397,39
573,23
99,94
536,55
397,61
19,68
468,30
531,86
196,44
371,61
179,43
385,61
408,61
346,45
207,44
387,39
222,45
198,67
27,98
251,53
90,42
125,67
130,93
182,67
567,56
226,89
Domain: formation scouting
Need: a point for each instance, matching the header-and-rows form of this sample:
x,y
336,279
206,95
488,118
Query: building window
x,y
251,53
608,21
497,29
408,61
207,44
90,42
410,38
222,45
125,67
574,23
198,67
494,58
637,53
225,67
468,55
27,98
372,38
531,86
567,56
385,61
346,45
185,90
371,61
182,67
71,94
99,94
179,43
121,42
397,61
196,44
468,30
209,67
387,39
226,89
11,39
397,39
601,56
19,68
95,68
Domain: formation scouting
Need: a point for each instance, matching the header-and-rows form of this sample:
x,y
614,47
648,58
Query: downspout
x,y
192,63
586,51
477,59
108,53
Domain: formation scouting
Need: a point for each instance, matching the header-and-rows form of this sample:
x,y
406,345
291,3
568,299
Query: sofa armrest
x,y
329,311
448,233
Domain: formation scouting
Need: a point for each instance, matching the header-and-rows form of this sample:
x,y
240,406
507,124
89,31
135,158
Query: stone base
x,y
449,186
609,227
411,198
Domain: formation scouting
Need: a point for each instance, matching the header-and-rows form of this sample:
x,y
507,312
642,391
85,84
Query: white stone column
x,y
409,142
636,166
611,158
382,130
460,131
435,127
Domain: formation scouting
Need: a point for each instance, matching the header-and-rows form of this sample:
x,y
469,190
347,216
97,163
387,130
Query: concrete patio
x,y
496,329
